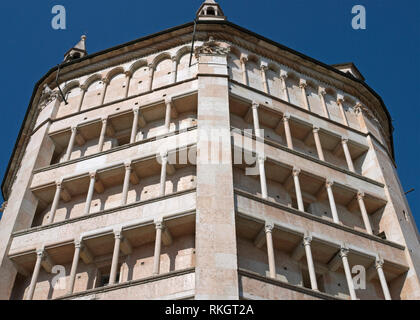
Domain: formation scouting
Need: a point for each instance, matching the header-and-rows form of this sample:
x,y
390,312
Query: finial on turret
x,y
78,51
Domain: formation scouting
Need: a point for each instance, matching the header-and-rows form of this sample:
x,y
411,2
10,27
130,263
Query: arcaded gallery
x,y
110,187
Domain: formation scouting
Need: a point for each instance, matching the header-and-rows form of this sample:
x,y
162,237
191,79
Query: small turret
x,y
210,10
78,51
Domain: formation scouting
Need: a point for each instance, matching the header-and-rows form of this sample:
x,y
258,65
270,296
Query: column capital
x,y
118,234
168,100
316,129
296,172
269,226
264,66
255,105
286,117
127,166
284,74
329,183
40,253
92,175
303,83
128,73
164,155
105,80
243,58
360,195
262,158
78,244
322,91
59,183
307,239
358,108
151,66
159,225
84,87
344,140
379,263
344,251
136,109
73,129
340,98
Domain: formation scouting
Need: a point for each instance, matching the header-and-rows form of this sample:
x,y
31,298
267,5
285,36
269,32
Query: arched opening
x,y
76,55
211,11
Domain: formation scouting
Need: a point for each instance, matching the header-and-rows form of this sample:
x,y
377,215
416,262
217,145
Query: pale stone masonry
x,y
113,192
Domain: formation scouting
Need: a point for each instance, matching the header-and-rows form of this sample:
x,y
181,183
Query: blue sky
x,y
387,52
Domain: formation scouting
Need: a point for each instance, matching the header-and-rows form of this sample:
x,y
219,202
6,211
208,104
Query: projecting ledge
x,y
185,284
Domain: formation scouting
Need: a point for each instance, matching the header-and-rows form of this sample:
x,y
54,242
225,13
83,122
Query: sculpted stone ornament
x,y
212,47
47,96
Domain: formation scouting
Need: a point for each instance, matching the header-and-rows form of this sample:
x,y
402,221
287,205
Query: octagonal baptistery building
x,y
131,177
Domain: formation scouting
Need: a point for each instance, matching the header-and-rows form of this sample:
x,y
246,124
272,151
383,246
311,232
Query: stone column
x,y
243,66
287,131
91,189
151,74
126,184
264,69
270,250
39,257
115,257
363,211
299,199
358,110
318,144
322,93
135,125
340,100
263,180
164,160
73,272
106,83
311,267
82,97
331,199
128,76
158,245
379,263
347,154
71,143
344,254
302,86
55,202
256,120
174,69
102,135
168,103
283,77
